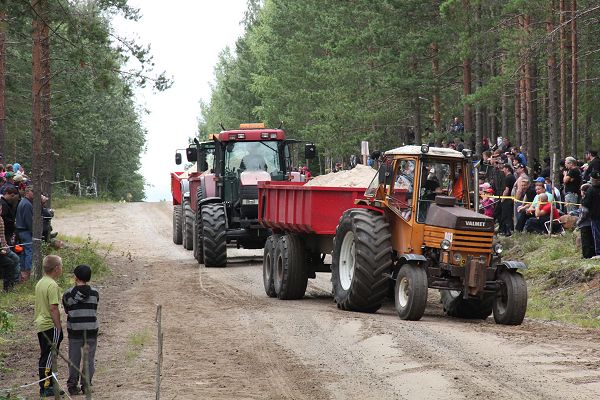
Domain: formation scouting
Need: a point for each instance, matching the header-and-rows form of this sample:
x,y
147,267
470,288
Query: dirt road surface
x,y
225,339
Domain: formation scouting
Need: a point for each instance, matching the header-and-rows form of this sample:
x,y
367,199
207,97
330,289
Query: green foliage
x,y
6,322
562,285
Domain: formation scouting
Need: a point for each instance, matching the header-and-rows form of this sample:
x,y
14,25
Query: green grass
x,y
136,343
68,202
562,286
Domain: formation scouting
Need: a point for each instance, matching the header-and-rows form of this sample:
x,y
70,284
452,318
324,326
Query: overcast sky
x,y
186,37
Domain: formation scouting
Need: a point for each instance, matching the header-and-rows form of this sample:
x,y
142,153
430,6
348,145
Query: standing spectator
x,y
592,202
505,146
9,176
457,126
584,224
24,225
518,154
81,303
507,205
521,175
572,182
593,164
47,320
9,262
9,203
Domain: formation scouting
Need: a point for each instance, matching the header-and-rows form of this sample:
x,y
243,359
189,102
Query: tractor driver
x,y
253,161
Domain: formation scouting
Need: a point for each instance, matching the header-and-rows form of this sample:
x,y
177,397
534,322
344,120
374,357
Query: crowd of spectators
x,y
16,224
521,196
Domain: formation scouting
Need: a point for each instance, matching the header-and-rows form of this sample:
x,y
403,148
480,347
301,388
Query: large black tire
x,y
456,306
188,226
411,292
269,265
177,220
290,275
198,238
358,274
214,233
510,302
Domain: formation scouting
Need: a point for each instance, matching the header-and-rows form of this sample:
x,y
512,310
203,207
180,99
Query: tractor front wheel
x,y
214,234
456,306
411,292
510,303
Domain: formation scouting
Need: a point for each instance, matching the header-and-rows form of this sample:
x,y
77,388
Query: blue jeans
x,y
27,254
571,198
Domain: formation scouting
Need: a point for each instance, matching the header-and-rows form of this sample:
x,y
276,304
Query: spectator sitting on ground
x,y
542,215
528,194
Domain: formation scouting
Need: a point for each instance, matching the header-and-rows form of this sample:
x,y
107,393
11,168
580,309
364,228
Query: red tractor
x,y
224,192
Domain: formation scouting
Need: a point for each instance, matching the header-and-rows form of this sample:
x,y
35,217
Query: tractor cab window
x,y
206,157
252,156
401,196
439,178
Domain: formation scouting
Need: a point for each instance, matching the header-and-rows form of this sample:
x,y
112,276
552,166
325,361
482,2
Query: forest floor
x,y
225,339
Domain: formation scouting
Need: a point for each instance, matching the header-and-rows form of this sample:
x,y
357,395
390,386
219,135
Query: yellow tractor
x,y
417,226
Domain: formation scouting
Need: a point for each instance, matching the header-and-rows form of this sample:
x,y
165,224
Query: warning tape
x,y
528,202
35,383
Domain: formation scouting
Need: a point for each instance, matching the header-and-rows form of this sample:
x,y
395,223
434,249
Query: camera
x,y
494,147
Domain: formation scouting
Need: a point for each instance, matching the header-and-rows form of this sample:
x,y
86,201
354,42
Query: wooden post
x,y
159,349
85,371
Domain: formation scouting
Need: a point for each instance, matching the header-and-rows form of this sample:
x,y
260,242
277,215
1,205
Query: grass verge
x,y
562,286
68,202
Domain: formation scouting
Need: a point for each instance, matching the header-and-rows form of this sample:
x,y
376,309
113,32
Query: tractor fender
x,y
407,258
209,200
512,265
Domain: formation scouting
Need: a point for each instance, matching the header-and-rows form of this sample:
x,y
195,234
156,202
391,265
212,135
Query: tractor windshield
x,y
253,156
445,178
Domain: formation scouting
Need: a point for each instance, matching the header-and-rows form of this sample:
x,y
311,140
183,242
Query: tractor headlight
x,y
457,258
498,248
249,202
445,244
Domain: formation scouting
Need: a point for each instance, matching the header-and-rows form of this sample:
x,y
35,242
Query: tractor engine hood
x,y
458,218
249,178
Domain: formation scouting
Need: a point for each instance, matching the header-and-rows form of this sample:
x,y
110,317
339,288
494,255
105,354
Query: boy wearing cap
x,y
47,320
81,303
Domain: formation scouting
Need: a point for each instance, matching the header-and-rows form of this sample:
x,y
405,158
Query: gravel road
x,y
225,339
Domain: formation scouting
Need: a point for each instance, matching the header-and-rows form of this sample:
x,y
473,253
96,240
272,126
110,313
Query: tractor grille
x,y
465,241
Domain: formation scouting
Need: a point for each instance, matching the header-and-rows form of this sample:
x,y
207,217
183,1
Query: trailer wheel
x,y
411,292
188,228
214,233
198,241
289,274
177,235
510,302
362,250
456,306
268,265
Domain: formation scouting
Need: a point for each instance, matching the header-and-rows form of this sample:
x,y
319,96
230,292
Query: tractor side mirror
x,y
178,158
310,151
192,154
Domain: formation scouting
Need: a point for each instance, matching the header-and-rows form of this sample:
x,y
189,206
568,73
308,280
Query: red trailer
x,y
303,220
182,223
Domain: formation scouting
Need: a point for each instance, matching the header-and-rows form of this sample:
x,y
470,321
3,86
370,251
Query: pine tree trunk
x,y
47,142
573,78
523,114
418,139
587,139
563,82
532,122
437,119
518,113
553,106
3,29
466,92
37,156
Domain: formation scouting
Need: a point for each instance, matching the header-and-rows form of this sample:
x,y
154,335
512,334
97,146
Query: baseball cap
x,y
540,179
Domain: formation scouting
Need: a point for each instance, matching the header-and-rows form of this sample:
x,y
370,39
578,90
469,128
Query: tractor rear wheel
x,y
214,233
289,273
269,264
188,228
362,251
510,302
456,306
411,292
177,235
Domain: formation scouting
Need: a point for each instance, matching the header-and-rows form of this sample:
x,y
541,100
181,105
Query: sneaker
x,y
74,390
83,389
49,392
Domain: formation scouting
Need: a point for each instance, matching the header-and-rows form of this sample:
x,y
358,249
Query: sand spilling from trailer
x,y
359,176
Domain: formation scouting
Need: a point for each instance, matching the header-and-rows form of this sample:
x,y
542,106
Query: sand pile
x,y
359,176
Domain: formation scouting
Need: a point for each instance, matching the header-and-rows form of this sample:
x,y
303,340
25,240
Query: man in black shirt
x,y
591,201
9,202
572,181
593,162
507,205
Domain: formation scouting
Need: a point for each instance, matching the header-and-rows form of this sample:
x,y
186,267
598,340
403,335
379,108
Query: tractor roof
x,y
249,135
416,151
